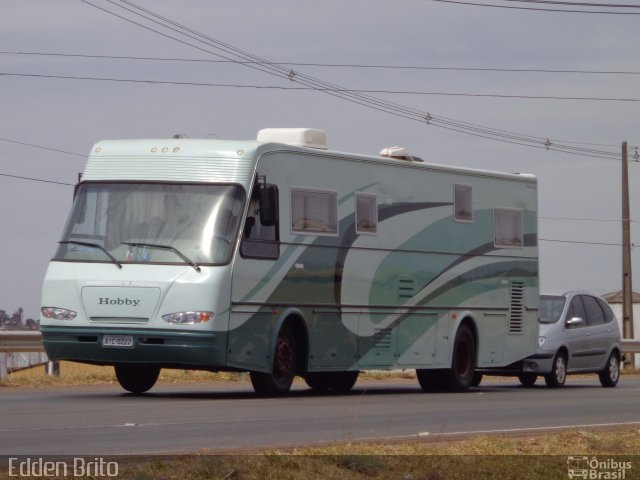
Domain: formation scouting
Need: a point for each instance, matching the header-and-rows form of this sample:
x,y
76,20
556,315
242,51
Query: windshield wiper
x,y
165,247
94,245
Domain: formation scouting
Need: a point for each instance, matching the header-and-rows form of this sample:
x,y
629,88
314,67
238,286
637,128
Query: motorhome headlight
x,y
55,313
188,318
541,341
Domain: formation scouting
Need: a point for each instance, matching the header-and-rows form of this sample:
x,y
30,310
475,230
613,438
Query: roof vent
x,y
399,153
299,137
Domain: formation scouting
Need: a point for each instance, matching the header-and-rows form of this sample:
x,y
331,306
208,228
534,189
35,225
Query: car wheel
x,y
527,379
558,374
610,375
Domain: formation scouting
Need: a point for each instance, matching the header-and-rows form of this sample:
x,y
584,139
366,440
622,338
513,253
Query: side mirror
x,y
575,322
268,205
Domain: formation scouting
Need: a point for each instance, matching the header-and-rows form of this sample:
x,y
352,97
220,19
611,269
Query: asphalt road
x,y
103,420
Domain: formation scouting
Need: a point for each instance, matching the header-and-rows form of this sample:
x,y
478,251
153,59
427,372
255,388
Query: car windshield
x,y
157,223
550,308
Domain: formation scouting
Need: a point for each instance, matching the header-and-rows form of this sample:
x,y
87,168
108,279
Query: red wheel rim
x,y
283,363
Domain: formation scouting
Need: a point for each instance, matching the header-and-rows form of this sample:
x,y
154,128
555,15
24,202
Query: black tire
x,y
460,376
558,374
279,381
136,378
477,379
431,380
611,374
528,379
331,382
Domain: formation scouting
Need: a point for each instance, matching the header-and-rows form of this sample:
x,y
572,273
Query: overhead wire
x,y
275,87
35,179
577,4
41,147
337,91
558,10
334,65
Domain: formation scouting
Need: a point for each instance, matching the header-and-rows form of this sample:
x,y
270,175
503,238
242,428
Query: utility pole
x,y
627,288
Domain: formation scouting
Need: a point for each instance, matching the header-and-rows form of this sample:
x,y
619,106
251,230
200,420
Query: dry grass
x,y
72,373
430,458
480,458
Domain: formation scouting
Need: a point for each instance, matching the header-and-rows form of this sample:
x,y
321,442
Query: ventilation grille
x,y
406,287
516,310
382,339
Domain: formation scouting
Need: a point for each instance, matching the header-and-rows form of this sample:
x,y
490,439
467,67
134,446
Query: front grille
x,y
119,319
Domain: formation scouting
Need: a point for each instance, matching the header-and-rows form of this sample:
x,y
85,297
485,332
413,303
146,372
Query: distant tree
x,y
16,318
3,318
32,324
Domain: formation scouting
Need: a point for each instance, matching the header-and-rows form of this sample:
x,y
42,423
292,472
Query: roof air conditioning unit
x,y
299,137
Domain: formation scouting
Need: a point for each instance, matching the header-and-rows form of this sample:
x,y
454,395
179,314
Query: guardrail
x,y
630,345
20,341
31,341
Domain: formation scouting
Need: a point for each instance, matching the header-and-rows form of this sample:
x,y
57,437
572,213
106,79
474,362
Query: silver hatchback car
x,y
578,334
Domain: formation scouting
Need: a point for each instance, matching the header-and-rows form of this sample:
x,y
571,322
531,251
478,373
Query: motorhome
x,y
280,257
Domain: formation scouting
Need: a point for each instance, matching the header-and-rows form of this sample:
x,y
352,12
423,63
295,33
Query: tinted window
x,y
608,313
595,315
576,310
551,308
258,240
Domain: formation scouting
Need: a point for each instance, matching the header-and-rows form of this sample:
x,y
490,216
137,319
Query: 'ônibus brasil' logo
x,y
593,468
118,301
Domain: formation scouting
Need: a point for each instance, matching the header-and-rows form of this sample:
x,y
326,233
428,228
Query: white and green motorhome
x,y
282,258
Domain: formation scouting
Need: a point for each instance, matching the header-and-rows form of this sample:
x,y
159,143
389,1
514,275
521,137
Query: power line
x,y
580,219
577,4
41,147
35,179
559,10
334,65
361,99
577,242
351,90
228,52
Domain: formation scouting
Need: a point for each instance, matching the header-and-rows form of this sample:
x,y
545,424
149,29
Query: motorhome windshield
x,y
128,220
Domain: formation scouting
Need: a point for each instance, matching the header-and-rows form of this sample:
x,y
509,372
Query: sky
x,y
579,195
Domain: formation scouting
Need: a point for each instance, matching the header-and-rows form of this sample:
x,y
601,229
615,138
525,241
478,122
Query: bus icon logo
x,y
578,467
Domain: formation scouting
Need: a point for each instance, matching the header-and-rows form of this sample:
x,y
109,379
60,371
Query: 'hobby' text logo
x,y
118,301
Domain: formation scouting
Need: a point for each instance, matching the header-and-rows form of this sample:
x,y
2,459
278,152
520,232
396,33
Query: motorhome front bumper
x,y
165,348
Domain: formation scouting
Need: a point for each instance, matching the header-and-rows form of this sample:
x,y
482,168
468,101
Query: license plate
x,y
117,341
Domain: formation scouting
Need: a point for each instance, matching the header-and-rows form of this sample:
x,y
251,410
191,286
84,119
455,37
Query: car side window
x,y
595,315
608,313
576,309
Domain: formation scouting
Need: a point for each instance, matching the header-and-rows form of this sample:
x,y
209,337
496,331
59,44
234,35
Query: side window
x,y
595,315
507,228
462,203
314,212
576,309
608,313
366,213
258,240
